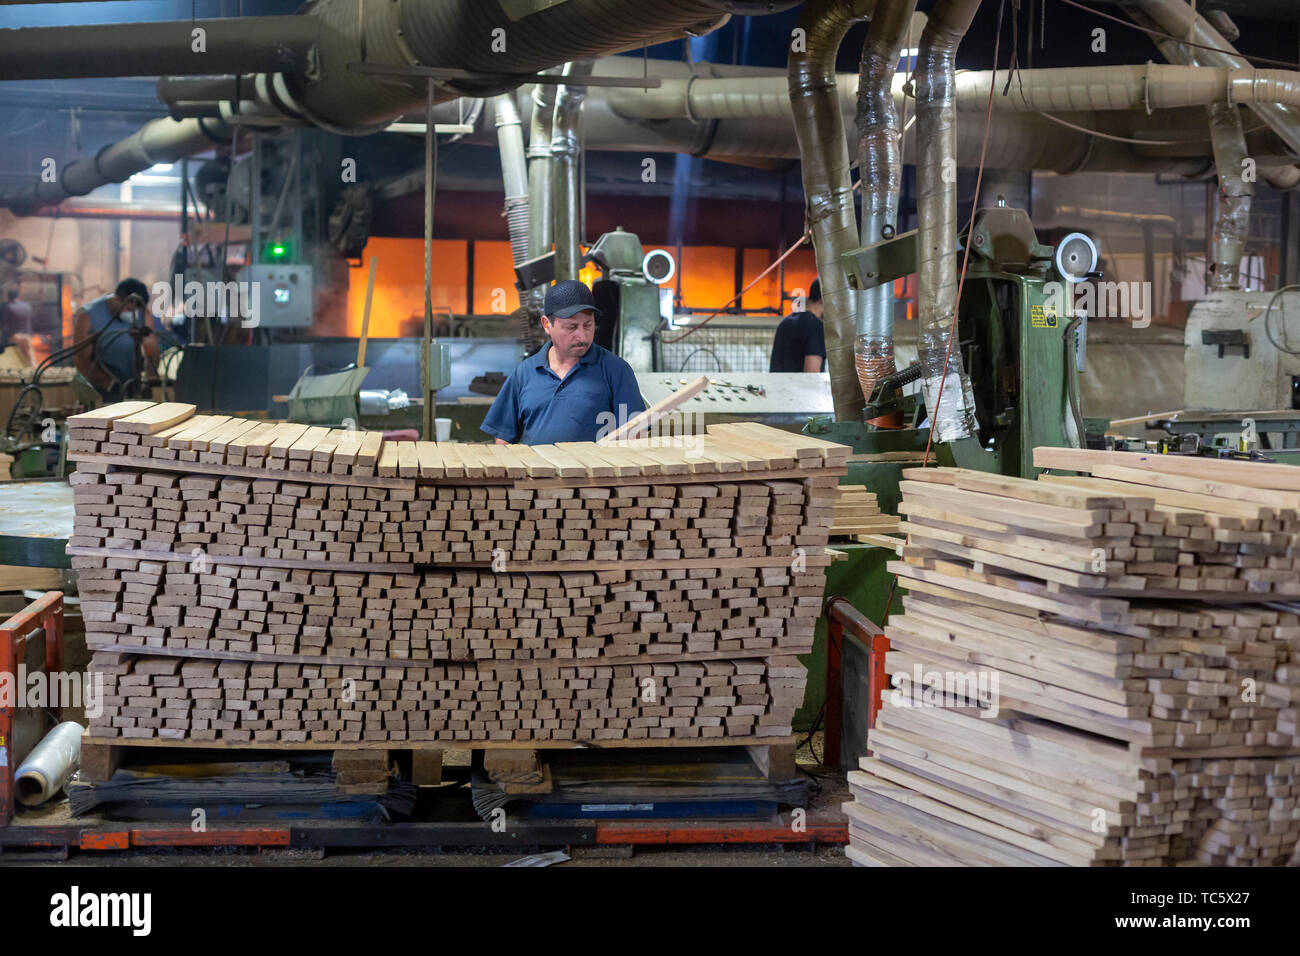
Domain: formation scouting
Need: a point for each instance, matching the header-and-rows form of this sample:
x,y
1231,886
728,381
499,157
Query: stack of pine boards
x,y
858,512
249,582
1095,669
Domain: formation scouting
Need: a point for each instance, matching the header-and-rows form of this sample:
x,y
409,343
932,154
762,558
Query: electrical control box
x,y
282,294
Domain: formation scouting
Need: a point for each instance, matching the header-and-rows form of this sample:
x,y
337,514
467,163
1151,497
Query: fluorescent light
x,y
911,51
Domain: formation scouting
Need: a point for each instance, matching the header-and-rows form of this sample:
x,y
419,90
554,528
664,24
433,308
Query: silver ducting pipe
x,y
752,108
158,141
327,91
828,191
231,45
514,173
948,394
1281,177
1232,227
1150,86
566,187
880,172
503,38
1180,20
539,186
50,765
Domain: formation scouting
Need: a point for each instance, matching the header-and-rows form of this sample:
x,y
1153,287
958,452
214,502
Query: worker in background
x,y
109,364
800,341
16,324
569,390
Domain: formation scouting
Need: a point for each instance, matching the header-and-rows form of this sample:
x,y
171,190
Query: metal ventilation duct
x,y
948,394
880,172
828,191
500,42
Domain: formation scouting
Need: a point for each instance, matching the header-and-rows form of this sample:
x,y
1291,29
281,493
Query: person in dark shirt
x,y
16,321
570,390
109,364
800,341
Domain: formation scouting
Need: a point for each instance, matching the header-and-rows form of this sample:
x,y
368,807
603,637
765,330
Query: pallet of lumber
x,y
166,513
170,436
858,512
241,580
462,615
1088,671
250,702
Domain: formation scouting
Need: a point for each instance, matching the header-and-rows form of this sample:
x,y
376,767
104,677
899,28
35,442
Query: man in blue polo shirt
x,y
570,390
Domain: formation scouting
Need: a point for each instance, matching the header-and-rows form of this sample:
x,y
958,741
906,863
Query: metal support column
x,y
430,187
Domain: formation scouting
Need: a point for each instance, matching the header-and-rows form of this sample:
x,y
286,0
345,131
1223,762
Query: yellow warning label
x,y
1040,318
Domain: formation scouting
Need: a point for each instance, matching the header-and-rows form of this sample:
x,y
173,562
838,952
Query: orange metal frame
x,y
844,620
42,618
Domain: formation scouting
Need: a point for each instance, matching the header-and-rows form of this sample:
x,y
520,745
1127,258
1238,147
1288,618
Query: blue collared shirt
x,y
535,407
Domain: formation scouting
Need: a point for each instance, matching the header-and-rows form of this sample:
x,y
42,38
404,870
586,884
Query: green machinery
x,y
1020,341
1022,345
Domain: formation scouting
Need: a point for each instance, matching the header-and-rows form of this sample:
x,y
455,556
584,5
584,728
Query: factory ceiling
x,y
70,118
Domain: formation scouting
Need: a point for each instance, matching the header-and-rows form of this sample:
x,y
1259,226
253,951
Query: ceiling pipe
x,y
566,185
948,394
762,134
824,160
880,172
498,41
514,174
1151,86
231,45
748,114
540,226
174,89
158,141
1232,226
1178,19
497,44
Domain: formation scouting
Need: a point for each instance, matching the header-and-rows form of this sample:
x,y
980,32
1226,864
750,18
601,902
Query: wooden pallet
x,y
101,757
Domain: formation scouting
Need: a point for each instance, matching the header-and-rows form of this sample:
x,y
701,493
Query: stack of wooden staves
x,y
1097,669
247,582
858,512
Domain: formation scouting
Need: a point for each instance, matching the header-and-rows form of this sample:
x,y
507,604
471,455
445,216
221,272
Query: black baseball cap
x,y
568,297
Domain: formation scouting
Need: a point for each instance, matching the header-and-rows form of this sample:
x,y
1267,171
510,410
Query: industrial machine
x,y
1242,350
1022,343
1021,340
1241,385
786,399
631,293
